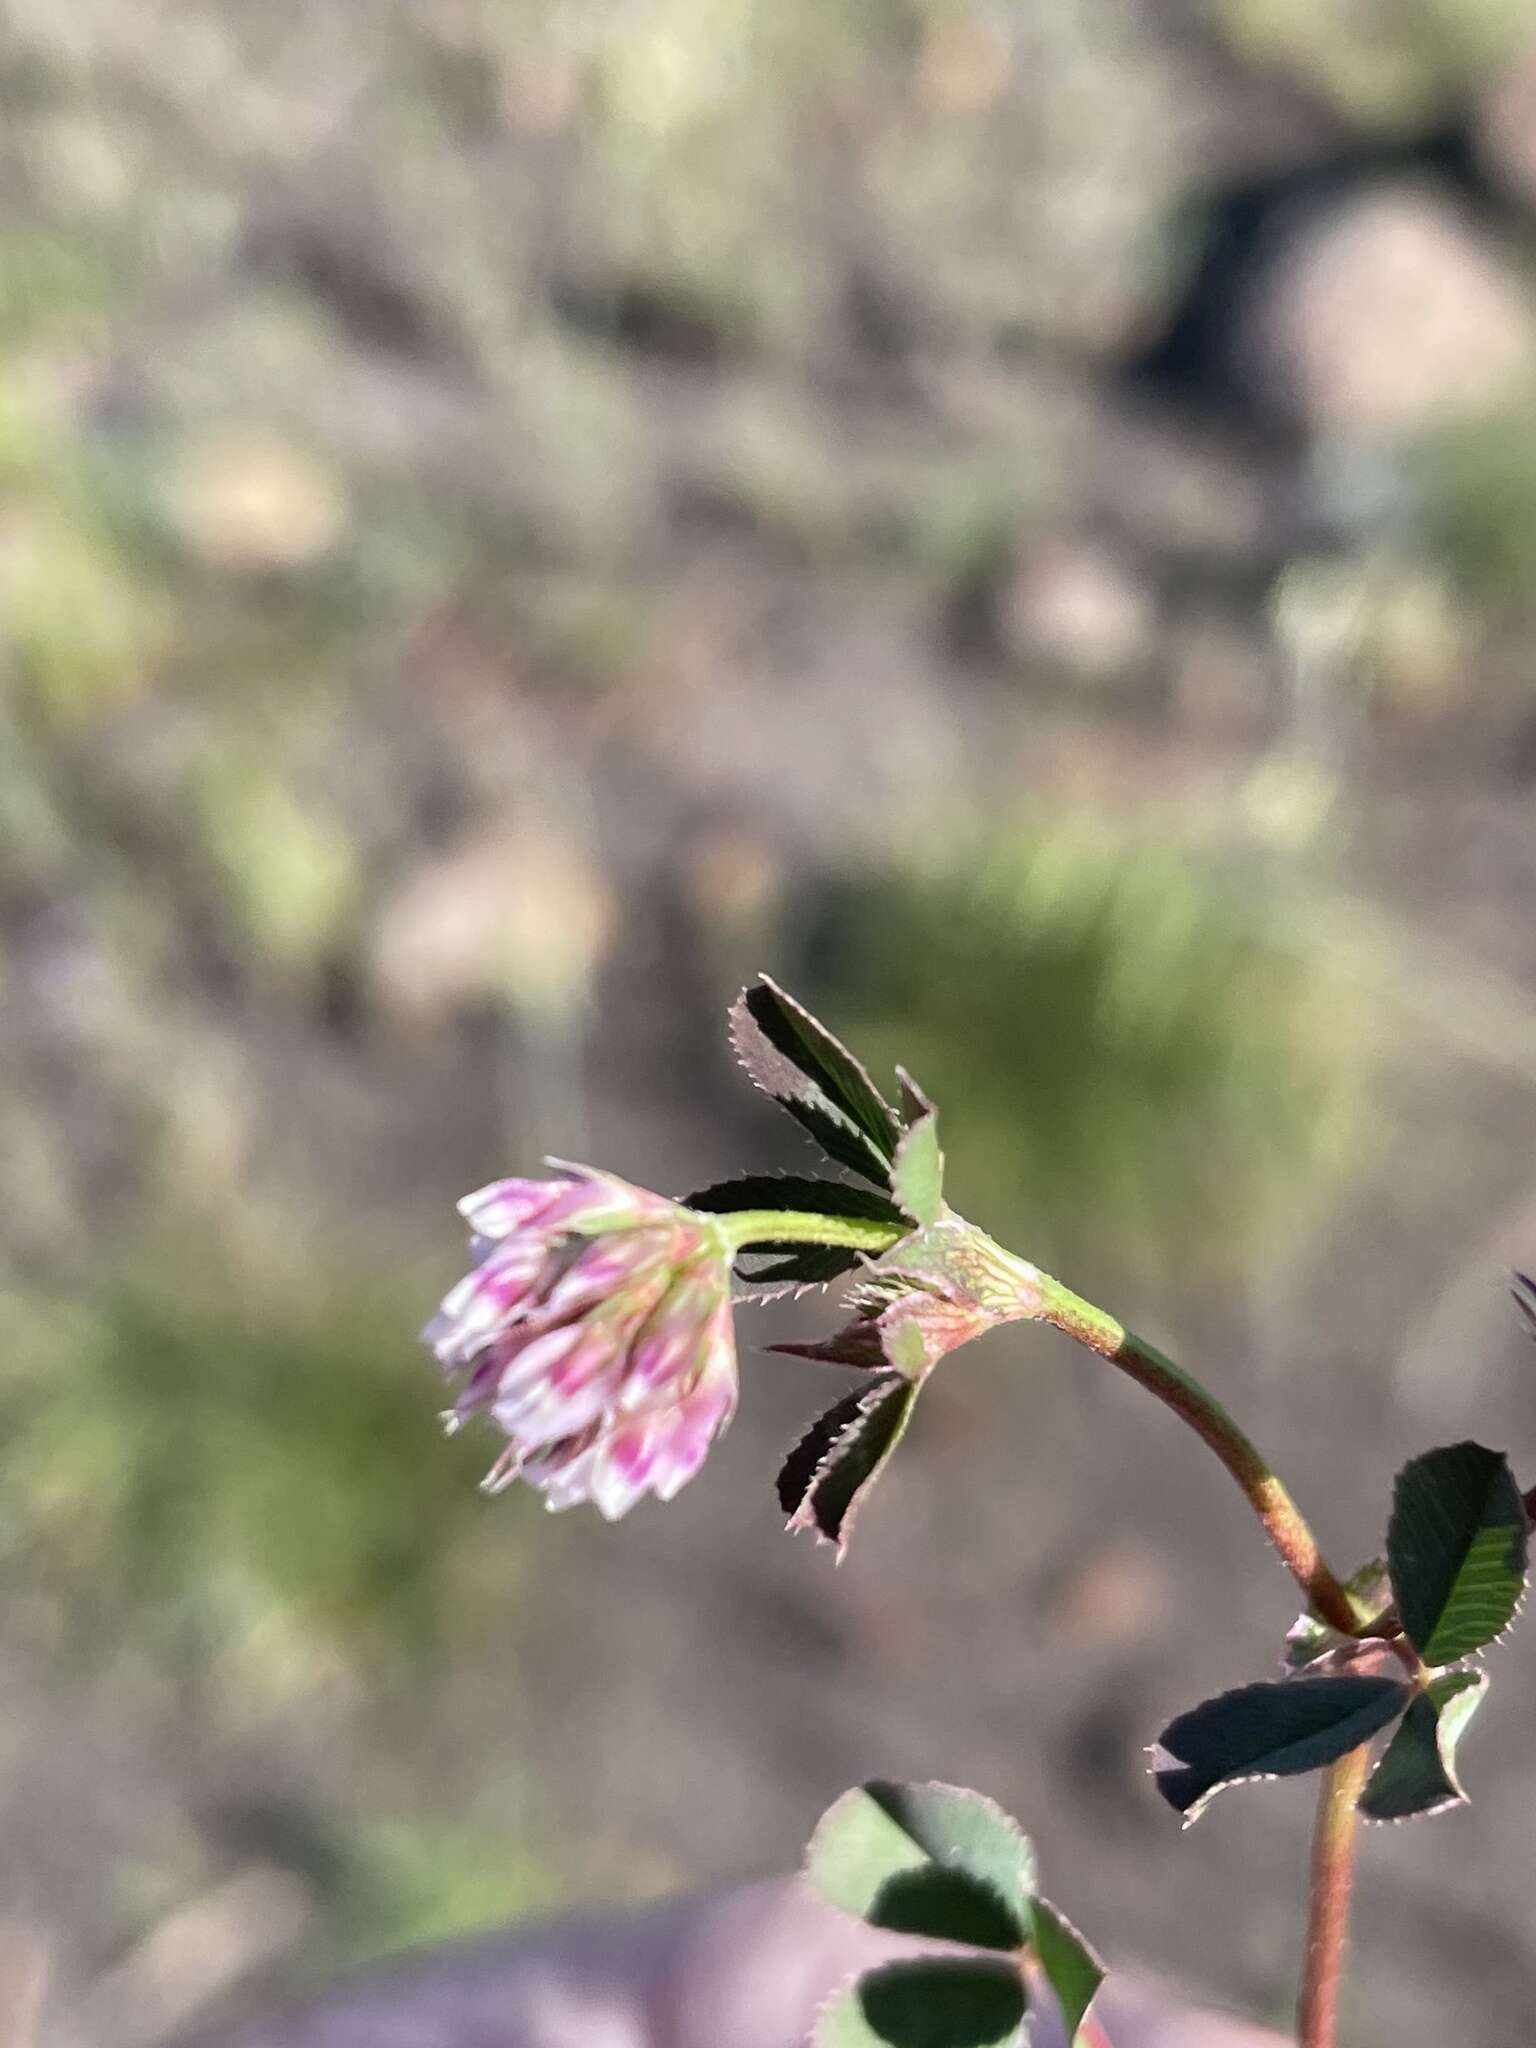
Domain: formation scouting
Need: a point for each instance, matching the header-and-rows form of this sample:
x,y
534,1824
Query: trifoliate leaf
x,y
802,1066
1457,1548
1417,1771
1269,1731
929,2003
926,1859
829,1473
799,1192
1070,1966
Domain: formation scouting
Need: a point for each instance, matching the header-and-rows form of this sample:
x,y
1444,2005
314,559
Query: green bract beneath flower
x,y
931,1293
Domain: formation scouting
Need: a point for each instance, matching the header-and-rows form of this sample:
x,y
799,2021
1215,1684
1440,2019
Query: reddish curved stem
x,y
1269,1498
1332,1879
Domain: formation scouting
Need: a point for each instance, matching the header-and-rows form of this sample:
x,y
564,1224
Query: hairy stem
x,y
1176,1389
740,1227
1332,1878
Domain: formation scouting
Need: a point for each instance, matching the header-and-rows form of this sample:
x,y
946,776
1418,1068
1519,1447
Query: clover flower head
x,y
594,1330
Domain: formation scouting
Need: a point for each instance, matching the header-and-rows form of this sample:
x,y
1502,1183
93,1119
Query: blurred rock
x,y
517,916
1081,605
247,499
1386,314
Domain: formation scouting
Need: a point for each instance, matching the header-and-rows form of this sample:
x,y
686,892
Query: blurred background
x,y
1021,520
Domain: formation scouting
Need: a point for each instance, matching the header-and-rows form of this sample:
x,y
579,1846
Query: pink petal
x,y
562,1472
484,1299
673,1343
699,1421
507,1205
604,1266
559,1384
592,1201
660,1448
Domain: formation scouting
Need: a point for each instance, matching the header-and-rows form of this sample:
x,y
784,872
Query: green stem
x,y
1176,1389
739,1227
1332,1879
